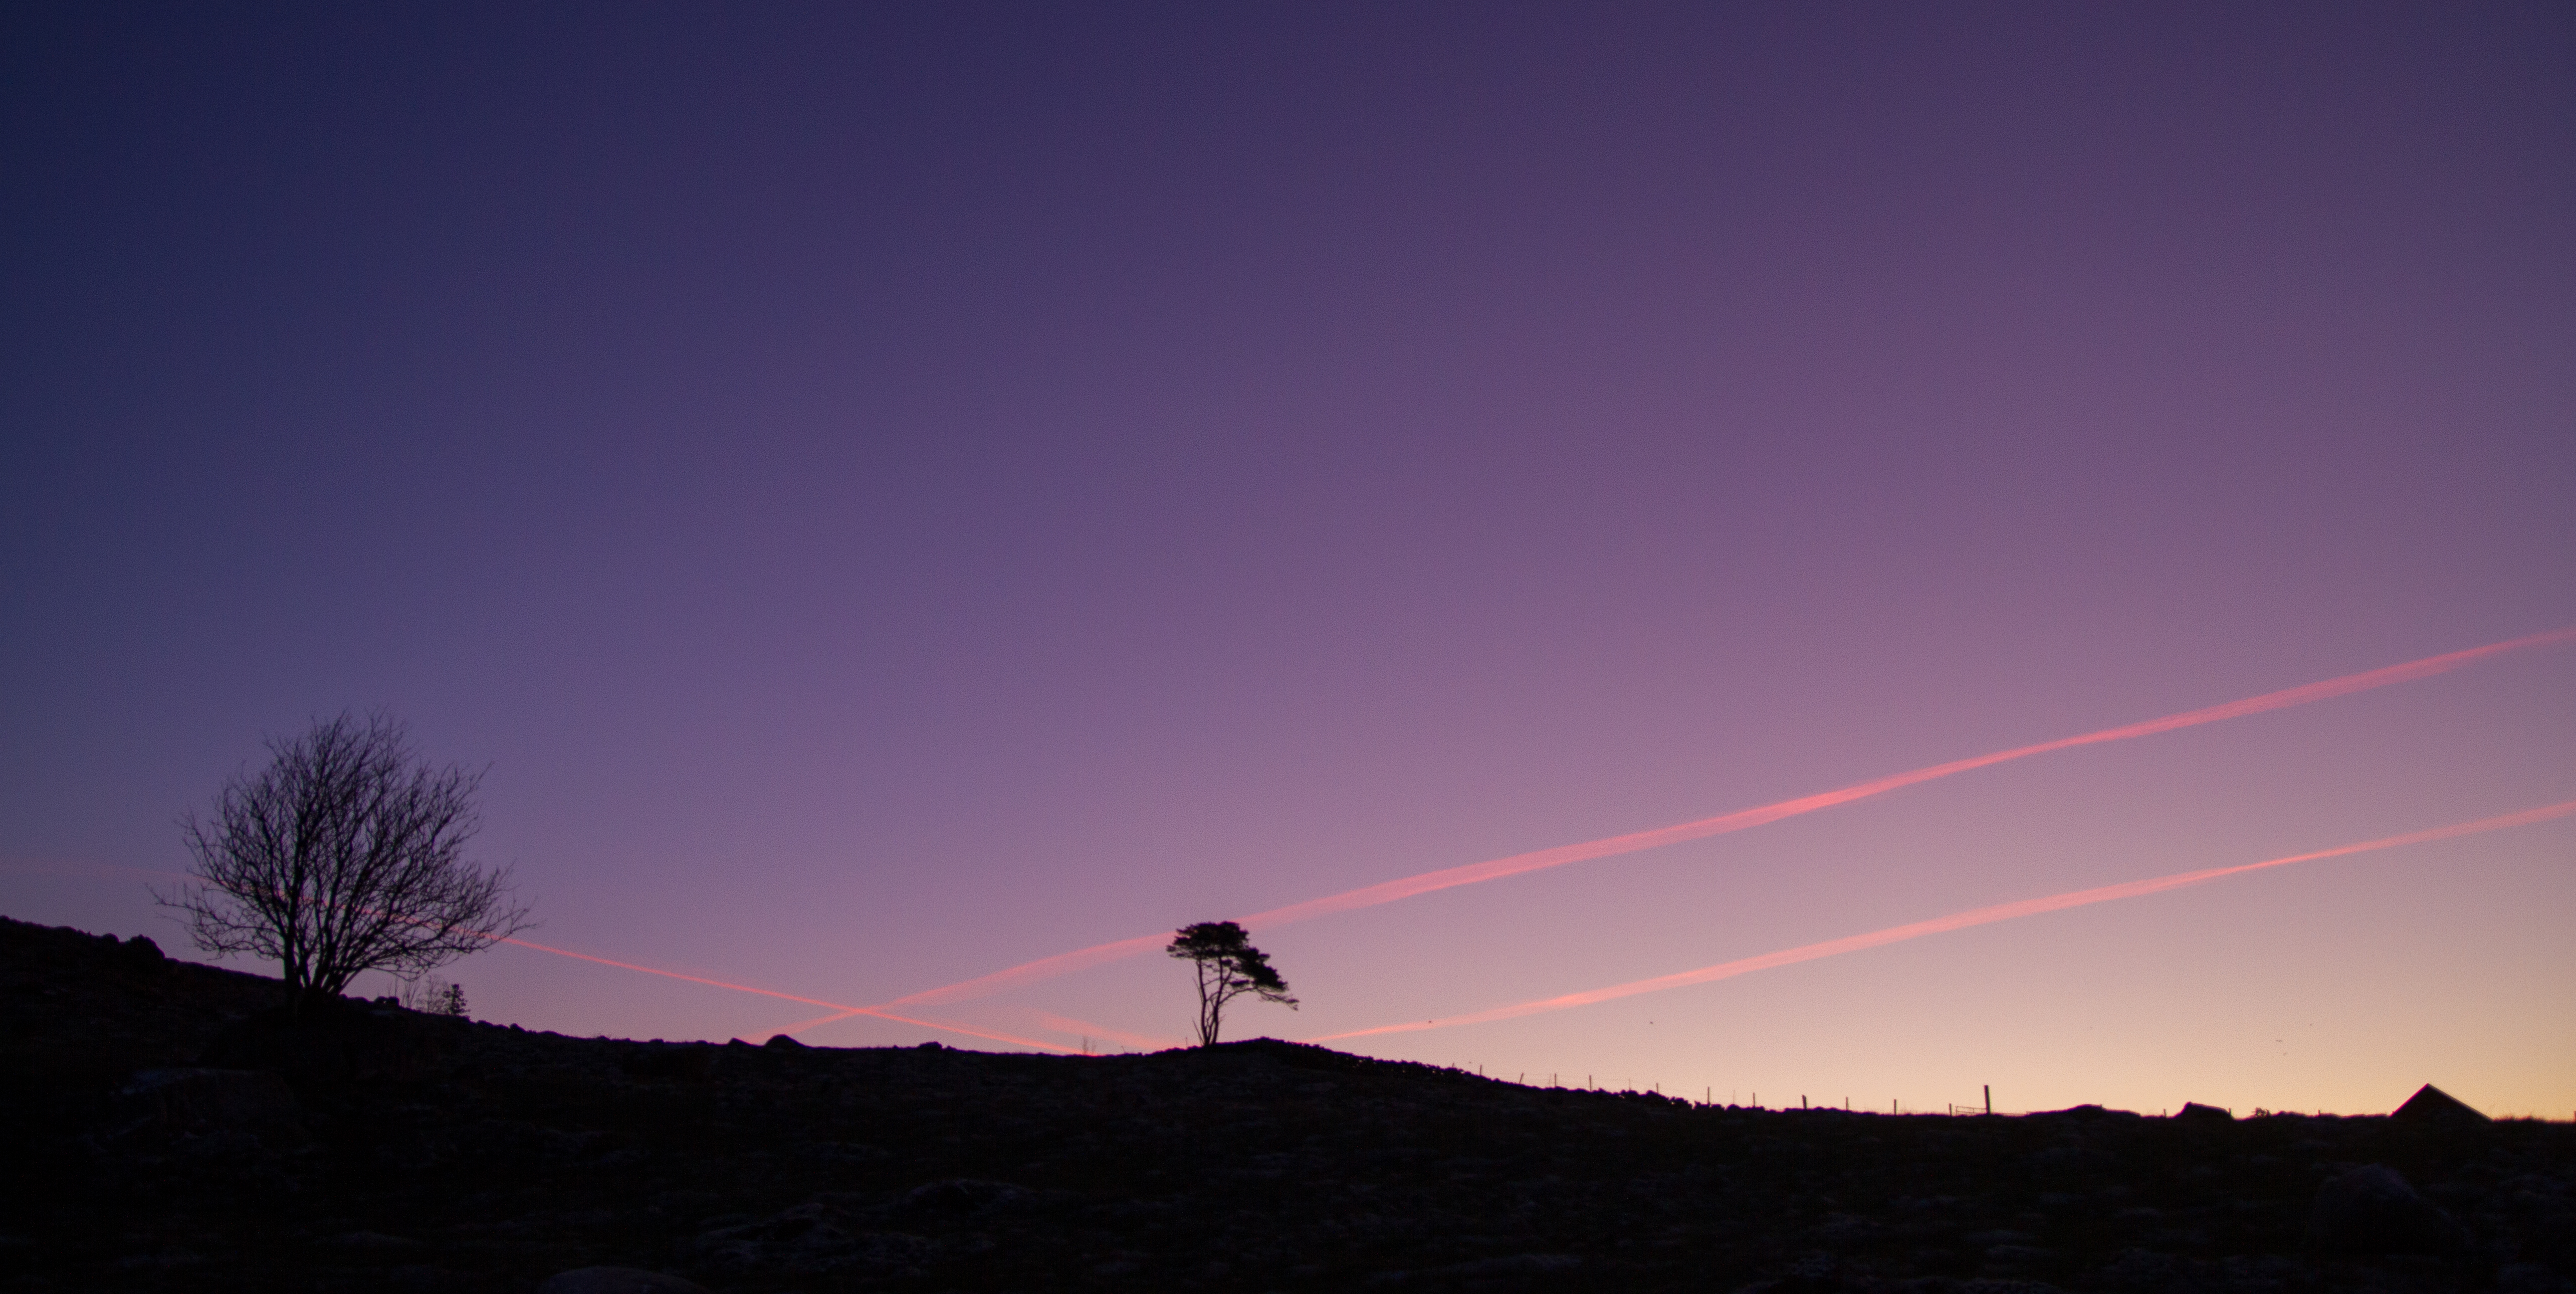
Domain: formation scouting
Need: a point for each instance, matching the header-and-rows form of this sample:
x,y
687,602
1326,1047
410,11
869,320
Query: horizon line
x,y
1059,964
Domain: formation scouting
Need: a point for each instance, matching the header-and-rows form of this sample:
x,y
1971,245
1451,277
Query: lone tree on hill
x,y
345,855
1228,968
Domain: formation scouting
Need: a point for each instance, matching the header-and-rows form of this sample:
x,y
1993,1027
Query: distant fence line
x,y
1708,1096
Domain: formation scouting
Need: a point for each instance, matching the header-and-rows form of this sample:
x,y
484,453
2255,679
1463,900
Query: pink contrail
x,y
840,1011
1955,921
1073,1028
818,1021
1031,972
844,1011
1472,873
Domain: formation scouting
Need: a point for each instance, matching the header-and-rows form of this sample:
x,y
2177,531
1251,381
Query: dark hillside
x,y
164,1135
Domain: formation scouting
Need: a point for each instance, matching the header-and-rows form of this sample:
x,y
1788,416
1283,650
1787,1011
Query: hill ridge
x,y
176,1135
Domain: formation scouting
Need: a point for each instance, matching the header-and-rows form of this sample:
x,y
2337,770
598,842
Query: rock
x,y
2194,1111
1813,1274
2372,1210
814,1238
2071,1164
2431,1104
617,1280
2018,1256
183,1101
2531,1278
141,953
376,1240
961,1197
691,1060
845,1152
331,1041
1513,1265
782,1042
1989,1239
2149,1272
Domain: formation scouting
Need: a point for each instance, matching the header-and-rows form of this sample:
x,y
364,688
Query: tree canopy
x,y
1228,967
345,854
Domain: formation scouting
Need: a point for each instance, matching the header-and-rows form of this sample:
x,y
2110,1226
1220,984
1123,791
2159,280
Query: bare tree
x,y
1228,967
345,855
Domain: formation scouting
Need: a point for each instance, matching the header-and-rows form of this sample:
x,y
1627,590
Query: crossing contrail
x,y
1073,1028
1428,882
842,1011
1955,921
1046,968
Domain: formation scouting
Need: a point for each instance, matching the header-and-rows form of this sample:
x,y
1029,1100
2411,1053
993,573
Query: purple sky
x,y
896,492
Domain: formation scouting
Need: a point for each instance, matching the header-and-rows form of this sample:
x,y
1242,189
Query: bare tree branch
x,y
346,854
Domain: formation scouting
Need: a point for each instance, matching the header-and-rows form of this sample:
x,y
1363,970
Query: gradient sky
x,y
892,493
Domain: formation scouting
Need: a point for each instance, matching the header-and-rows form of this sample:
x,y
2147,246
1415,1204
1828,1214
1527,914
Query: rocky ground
x,y
163,1133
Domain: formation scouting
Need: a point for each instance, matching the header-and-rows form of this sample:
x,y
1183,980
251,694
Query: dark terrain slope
x,y
376,1149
